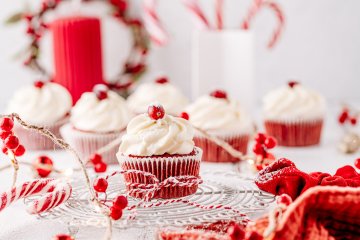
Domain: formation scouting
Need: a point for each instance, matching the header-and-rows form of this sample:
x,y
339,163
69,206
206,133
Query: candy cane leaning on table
x,y
152,23
56,192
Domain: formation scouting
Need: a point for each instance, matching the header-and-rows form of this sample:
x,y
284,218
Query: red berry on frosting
x,y
270,142
100,167
260,138
100,184
5,134
357,163
120,202
63,237
156,112
101,91
292,84
6,124
353,121
19,151
96,158
219,94
39,84
235,232
43,165
115,213
162,80
11,142
184,115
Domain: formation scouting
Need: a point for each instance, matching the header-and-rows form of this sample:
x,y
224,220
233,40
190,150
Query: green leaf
x,y
14,18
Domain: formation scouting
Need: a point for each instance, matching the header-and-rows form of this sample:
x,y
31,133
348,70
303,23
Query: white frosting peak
x,y
167,94
148,137
45,105
218,115
293,103
103,116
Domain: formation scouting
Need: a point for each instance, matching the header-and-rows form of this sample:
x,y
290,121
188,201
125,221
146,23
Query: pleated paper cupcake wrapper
x,y
295,133
215,153
32,140
86,144
163,168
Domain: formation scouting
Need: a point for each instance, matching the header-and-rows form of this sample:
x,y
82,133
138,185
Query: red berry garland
x,y
10,141
348,116
134,66
99,165
263,143
118,204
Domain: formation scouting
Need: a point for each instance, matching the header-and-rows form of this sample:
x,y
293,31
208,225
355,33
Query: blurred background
x,y
319,47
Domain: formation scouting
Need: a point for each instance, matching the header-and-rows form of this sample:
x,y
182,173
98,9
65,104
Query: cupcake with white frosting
x,y
162,145
294,115
221,117
160,91
97,118
43,104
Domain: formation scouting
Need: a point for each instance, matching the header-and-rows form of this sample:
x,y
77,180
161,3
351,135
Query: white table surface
x,y
15,223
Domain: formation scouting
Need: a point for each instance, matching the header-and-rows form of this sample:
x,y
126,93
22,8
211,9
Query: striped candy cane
x,y
219,6
152,23
195,9
56,192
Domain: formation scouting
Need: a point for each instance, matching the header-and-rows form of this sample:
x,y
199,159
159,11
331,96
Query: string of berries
x,y
263,144
117,205
11,142
134,66
97,161
348,116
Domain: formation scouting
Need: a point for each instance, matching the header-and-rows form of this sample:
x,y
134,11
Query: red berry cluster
x,y
99,165
10,141
43,165
263,143
219,94
118,204
156,112
235,232
101,91
346,117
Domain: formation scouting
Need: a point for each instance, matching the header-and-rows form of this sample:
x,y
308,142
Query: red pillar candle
x,y
77,53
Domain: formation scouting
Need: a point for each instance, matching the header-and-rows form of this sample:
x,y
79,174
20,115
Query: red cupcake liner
x,y
215,153
32,140
163,168
295,134
86,143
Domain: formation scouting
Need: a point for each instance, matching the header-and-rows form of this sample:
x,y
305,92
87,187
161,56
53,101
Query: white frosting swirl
x,y
296,103
43,106
148,137
219,115
102,116
166,94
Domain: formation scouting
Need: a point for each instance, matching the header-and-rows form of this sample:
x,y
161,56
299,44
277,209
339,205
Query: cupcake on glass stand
x,y
162,145
160,91
98,118
294,115
222,117
44,104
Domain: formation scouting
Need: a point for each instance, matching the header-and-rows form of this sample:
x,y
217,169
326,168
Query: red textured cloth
x,y
282,176
322,213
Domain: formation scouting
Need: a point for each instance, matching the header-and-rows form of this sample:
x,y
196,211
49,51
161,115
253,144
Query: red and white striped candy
x,y
194,8
152,23
56,192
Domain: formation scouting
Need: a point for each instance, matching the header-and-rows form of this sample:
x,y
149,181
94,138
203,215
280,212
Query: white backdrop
x,y
320,46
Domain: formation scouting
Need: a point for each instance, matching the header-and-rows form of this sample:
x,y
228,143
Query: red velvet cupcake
x,y
43,104
98,118
294,115
223,118
162,145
